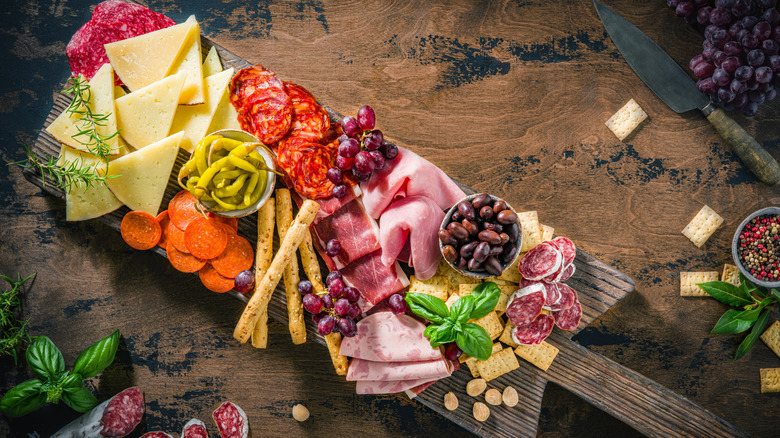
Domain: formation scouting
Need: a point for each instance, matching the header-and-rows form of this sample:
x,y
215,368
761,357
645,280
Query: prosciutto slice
x,y
373,279
328,205
389,387
416,219
353,228
361,369
408,175
387,337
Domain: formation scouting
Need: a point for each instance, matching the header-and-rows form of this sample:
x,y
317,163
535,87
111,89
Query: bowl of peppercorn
x,y
480,236
756,247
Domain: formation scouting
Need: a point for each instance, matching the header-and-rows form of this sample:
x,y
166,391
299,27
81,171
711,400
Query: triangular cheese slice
x,y
145,116
81,202
189,62
101,102
143,175
212,65
145,59
225,117
194,120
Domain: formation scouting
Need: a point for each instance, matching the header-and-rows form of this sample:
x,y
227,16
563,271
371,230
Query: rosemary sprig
x,y
70,173
88,122
14,331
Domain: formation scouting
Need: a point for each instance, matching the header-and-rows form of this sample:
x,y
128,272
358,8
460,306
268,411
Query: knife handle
x,y
755,157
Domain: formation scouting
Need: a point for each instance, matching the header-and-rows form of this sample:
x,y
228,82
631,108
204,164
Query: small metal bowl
x,y
264,152
735,245
466,272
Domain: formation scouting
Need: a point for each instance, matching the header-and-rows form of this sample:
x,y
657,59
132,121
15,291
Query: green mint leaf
x,y
475,341
427,306
45,358
97,356
728,324
23,398
486,297
727,293
751,338
79,399
462,308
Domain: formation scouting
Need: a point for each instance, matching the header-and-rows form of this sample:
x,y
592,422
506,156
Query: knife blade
x,y
676,89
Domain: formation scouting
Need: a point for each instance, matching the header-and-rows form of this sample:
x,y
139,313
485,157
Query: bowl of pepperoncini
x,y
230,172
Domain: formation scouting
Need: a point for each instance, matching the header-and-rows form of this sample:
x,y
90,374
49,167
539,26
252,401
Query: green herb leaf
x,y
45,358
776,293
474,341
751,338
462,308
23,398
430,330
748,287
427,306
79,398
728,324
445,333
752,314
486,297
97,356
727,293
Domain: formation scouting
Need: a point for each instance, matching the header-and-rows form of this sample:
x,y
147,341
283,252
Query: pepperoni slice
x,y
534,332
213,280
307,164
123,413
206,238
184,262
182,209
310,121
525,304
140,230
231,222
569,319
542,260
164,220
238,256
176,238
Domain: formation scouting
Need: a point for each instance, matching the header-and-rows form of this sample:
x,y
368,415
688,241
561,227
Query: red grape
x,y
354,311
344,163
720,77
304,287
349,148
684,9
340,191
703,70
763,74
360,176
703,15
351,294
390,151
725,95
771,16
364,163
732,48
326,325
770,47
374,141
397,304
379,159
749,21
244,282
731,64
720,16
332,247
350,126
335,176
737,86
366,117
452,351
755,58
336,287
341,306
744,73
749,42
313,303
696,60
333,275
347,327
762,30
327,301
706,86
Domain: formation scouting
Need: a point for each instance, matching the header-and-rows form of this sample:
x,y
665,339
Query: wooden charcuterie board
x,y
630,397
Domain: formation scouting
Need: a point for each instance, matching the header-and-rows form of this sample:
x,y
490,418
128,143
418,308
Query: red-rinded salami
x,y
567,248
231,421
526,304
564,297
126,410
131,15
534,332
194,429
85,50
157,434
310,121
569,319
541,261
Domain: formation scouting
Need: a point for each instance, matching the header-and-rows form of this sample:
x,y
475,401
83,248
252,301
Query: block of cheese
x,y
212,64
145,116
189,62
100,102
623,122
194,120
145,59
81,202
225,117
141,177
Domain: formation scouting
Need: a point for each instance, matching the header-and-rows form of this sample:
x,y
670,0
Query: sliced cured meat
x,y
251,80
194,429
310,121
567,248
569,319
307,164
564,297
417,390
231,421
157,434
568,272
387,337
416,220
360,369
391,387
184,262
123,413
542,260
333,133
267,117
408,174
526,304
328,205
353,228
534,332
373,279
238,256
130,14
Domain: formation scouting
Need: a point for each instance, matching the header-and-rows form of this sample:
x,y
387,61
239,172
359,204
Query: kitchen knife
x,y
669,82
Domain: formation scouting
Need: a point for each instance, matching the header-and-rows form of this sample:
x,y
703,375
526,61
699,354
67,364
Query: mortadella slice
x,y
387,337
416,219
390,387
361,369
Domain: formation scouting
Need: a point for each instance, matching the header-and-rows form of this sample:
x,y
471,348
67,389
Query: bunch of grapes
x,y
739,67
362,150
334,310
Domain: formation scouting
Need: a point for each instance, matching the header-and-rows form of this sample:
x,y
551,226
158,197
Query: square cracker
x,y
541,355
472,361
702,226
770,380
506,335
626,119
436,286
771,337
454,277
547,232
512,274
730,274
499,364
532,230
492,324
688,281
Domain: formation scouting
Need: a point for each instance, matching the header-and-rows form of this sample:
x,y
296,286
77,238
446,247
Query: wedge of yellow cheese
x,y
146,59
225,117
194,120
82,202
141,177
100,101
212,64
145,116
189,63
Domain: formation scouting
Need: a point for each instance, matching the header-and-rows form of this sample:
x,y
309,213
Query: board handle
x,y
632,398
755,157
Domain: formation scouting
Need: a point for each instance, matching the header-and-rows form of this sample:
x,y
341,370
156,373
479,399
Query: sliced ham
x,y
361,369
353,228
373,279
387,337
416,219
388,387
408,175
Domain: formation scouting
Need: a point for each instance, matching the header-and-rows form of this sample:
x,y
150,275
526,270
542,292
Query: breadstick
x,y
271,278
284,218
340,363
310,264
265,252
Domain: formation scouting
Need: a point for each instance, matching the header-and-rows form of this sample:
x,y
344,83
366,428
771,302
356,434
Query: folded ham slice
x,y
408,175
387,337
389,387
373,279
361,369
416,219
353,228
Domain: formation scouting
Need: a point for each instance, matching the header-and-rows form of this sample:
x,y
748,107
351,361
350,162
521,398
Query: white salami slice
x,y
534,332
564,297
544,259
194,429
567,248
386,337
231,421
115,417
360,369
526,304
569,319
569,272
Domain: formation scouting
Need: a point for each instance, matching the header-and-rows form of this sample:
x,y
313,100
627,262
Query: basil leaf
x,y
444,334
45,358
475,341
751,338
427,306
486,297
71,381
430,330
97,356
728,324
727,293
79,399
752,314
23,398
462,308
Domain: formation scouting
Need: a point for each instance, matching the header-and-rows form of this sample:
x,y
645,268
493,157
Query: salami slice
x,y
231,421
541,261
569,319
132,15
157,434
564,297
251,80
194,429
310,121
268,118
307,165
123,413
567,248
164,220
333,133
526,304
534,332
568,272
182,209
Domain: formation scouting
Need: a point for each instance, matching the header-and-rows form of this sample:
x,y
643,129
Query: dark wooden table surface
x,y
508,97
